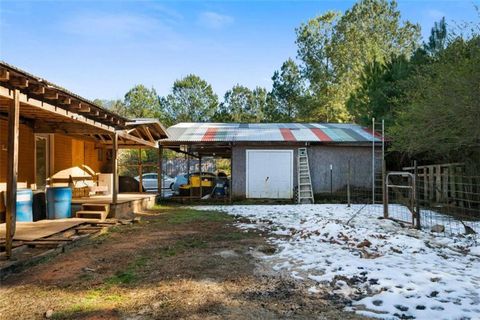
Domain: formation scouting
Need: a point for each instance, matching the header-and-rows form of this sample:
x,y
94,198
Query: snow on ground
x,y
385,270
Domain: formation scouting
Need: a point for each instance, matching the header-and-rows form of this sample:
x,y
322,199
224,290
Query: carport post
x,y
160,171
140,171
12,172
115,168
200,168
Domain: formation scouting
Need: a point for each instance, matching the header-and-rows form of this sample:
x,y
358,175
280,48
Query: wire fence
x,y
448,197
442,198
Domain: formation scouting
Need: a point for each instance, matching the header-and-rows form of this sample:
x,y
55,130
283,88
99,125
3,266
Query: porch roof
x,y
49,108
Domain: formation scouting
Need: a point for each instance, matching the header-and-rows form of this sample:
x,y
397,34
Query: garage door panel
x,y
269,174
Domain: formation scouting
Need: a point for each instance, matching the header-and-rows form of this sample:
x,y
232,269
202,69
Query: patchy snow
x,y
386,271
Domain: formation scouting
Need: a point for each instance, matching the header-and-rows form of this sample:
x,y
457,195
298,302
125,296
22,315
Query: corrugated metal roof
x,y
266,132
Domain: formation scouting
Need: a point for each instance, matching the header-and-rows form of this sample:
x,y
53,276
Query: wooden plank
x,y
4,75
115,169
438,184
12,171
37,89
64,100
453,192
20,82
50,94
30,231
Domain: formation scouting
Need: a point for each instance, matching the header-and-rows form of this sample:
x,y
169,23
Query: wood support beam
x,y
80,107
50,94
64,100
4,75
137,140
115,168
65,128
37,89
149,134
12,171
20,82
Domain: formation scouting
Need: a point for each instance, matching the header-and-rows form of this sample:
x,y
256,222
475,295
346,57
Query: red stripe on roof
x,y
210,134
321,135
376,134
287,134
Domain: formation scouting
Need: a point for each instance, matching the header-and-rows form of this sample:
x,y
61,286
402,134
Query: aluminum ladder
x,y
305,190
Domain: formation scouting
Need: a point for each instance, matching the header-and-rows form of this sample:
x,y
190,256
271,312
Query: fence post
x,y
416,197
385,196
384,172
373,160
348,184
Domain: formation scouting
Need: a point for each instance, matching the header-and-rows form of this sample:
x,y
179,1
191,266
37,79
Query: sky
x,y
101,49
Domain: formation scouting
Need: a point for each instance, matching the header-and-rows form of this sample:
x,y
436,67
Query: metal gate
x,y
400,198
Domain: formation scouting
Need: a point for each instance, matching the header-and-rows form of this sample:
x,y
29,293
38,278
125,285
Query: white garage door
x,y
270,174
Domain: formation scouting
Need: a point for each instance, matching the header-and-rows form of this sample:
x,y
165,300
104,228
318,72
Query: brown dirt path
x,y
176,264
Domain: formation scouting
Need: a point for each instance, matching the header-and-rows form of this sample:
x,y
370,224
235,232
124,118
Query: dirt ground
x,y
176,263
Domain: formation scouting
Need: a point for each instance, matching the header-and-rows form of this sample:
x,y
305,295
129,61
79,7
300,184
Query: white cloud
x,y
118,25
214,20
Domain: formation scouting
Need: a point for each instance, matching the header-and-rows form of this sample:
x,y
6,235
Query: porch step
x,y
96,207
88,214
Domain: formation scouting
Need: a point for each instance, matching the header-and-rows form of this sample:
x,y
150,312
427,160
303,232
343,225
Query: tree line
x,y
350,67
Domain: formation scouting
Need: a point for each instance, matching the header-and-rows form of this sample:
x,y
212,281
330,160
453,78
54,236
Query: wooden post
x,y
431,183
188,174
200,167
12,171
425,184
453,196
348,184
160,171
115,168
438,184
416,198
373,160
384,173
140,171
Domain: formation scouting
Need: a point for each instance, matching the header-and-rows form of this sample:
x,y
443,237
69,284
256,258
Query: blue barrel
x,y
24,205
59,202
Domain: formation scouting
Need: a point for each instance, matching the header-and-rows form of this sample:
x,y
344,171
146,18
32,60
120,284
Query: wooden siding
x,y
71,152
26,157
68,152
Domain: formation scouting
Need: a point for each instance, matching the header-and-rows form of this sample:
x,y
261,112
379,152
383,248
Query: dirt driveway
x,y
175,263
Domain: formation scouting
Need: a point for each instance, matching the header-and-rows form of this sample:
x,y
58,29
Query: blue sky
x,y
100,49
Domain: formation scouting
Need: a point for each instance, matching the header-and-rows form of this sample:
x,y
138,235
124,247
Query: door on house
x,y
269,174
42,160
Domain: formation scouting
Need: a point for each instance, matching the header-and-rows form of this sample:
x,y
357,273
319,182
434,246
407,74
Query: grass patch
x,y
92,301
191,215
122,277
130,275
182,246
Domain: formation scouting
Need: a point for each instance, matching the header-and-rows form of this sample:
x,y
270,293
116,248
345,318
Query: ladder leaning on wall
x,y
305,190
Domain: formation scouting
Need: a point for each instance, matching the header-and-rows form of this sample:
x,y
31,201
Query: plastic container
x,y
24,205
59,203
195,181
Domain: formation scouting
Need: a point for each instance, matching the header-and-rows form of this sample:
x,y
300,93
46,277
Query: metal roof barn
x,y
270,132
